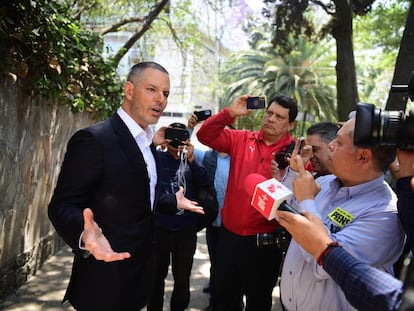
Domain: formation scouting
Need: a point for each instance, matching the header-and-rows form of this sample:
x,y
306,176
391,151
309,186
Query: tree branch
x,y
329,9
78,13
116,26
145,27
174,35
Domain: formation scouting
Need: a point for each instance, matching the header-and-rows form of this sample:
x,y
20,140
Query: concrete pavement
x,y
45,290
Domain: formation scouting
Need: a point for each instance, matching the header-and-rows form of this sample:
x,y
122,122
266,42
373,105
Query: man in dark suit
x,y
104,199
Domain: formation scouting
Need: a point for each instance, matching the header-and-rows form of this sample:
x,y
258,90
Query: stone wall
x,y
33,137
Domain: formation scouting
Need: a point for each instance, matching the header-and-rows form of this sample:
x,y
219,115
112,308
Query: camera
x,y
282,159
257,102
377,127
280,238
177,136
202,115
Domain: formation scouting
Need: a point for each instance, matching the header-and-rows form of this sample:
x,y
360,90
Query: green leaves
x,y
49,55
303,74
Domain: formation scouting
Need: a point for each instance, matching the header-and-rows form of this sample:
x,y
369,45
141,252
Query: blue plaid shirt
x,y
365,287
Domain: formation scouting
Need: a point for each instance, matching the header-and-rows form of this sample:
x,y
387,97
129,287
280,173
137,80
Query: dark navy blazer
x,y
105,170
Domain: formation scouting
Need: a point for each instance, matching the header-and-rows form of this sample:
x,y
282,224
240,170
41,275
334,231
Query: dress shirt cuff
x,y
337,262
328,248
85,253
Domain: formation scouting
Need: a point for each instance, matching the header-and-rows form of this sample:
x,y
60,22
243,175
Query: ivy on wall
x,y
47,54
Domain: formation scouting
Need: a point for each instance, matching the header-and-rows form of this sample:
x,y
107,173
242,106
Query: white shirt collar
x,y
135,129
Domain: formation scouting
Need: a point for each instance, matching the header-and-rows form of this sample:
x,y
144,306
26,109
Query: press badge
x,y
340,217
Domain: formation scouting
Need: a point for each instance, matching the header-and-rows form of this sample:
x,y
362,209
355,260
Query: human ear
x,y
128,90
365,155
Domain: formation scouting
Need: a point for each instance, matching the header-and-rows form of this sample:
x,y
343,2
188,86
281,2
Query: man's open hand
x,y
96,243
185,204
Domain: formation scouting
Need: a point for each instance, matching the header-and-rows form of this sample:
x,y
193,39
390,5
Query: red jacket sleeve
x,y
211,133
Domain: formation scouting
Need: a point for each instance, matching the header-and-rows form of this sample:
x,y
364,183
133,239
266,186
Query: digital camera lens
x,y
390,127
265,240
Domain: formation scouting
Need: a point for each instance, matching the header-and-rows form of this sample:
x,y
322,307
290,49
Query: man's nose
x,y
159,98
272,118
331,146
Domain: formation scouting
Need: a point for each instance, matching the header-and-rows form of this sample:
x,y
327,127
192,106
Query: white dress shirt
x,y
143,137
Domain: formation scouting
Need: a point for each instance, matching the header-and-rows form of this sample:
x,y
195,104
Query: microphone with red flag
x,y
268,195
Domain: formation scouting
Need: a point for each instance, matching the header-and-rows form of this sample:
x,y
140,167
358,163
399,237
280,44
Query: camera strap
x,y
290,148
181,169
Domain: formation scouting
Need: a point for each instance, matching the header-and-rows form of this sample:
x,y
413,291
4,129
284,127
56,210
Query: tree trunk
x,y
347,91
404,64
136,36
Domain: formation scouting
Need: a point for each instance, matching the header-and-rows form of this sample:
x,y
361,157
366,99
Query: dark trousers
x,y
177,247
212,236
244,269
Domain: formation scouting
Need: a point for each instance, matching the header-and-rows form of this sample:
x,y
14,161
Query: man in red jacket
x,y
243,268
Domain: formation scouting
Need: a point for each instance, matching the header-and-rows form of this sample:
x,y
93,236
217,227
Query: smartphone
x,y
301,142
282,159
176,134
203,114
257,102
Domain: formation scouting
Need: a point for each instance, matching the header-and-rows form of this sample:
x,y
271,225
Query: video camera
x,y
376,127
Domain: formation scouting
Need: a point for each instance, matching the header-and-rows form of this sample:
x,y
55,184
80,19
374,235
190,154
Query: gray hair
x,y
136,71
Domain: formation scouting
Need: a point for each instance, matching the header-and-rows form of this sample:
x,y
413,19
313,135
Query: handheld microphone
x,y
268,195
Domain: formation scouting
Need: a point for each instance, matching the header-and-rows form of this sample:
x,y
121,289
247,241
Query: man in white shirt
x,y
109,175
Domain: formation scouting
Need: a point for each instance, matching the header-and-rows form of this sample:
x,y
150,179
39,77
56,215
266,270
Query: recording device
x,y
280,238
282,157
376,127
268,195
257,102
203,114
176,134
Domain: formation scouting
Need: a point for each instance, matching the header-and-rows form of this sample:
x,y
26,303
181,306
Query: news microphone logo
x,y
268,195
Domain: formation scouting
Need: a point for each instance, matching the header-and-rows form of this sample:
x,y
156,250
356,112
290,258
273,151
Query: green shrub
x,y
47,53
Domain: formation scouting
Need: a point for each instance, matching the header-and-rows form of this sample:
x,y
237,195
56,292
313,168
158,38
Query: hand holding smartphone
x,y
283,157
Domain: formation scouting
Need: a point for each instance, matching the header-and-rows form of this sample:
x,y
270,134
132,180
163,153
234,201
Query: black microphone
x,y
285,206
